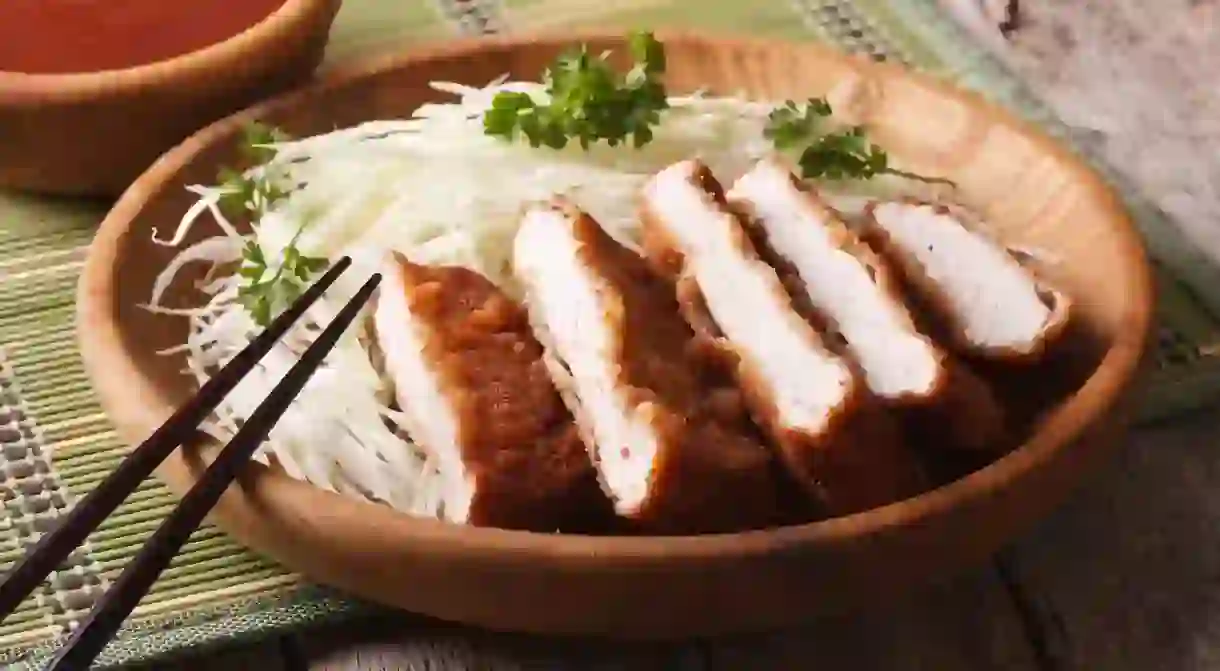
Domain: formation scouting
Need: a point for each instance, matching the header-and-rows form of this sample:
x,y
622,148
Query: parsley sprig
x,y
589,101
827,153
267,287
266,291
252,194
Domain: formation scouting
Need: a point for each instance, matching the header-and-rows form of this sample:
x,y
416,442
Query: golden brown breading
x,y
710,473
949,397
928,295
518,443
857,460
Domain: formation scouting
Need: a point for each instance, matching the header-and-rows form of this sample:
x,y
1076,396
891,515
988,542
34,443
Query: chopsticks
x,y
108,614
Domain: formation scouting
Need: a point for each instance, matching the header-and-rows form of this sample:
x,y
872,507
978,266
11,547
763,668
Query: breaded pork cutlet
x,y
831,433
469,376
853,292
676,454
985,302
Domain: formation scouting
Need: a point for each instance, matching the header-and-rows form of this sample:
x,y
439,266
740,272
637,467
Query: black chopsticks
x,y
135,580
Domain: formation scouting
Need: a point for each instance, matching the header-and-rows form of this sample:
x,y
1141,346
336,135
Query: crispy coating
x,y
518,442
859,460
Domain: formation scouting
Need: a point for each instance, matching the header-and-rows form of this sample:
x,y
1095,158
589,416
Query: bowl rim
x,y
102,349
73,86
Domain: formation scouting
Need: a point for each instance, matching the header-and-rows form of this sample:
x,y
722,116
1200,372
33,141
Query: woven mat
x,y
215,591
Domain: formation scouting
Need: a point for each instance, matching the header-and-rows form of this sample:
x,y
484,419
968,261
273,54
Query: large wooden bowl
x,y
1036,193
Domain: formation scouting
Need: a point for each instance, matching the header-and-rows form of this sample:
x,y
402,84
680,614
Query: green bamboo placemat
x,y
215,591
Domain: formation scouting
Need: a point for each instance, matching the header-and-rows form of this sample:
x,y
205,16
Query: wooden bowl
x,y
1035,192
93,133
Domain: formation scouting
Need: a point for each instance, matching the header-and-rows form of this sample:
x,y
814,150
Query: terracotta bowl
x,y
93,133
1035,192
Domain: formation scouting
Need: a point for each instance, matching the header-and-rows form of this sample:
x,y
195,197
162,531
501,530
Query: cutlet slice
x,y
831,434
469,376
674,456
852,291
984,300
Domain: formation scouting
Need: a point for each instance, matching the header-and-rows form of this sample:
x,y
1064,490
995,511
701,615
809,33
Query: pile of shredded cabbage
x,y
438,190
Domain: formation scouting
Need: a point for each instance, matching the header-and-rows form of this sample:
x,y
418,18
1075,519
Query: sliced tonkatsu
x,y
469,376
983,299
827,425
674,449
852,292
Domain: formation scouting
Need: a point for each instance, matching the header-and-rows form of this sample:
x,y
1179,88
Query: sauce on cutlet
x,y
518,440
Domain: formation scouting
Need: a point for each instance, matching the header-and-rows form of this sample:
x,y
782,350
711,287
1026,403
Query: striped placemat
x,y
55,442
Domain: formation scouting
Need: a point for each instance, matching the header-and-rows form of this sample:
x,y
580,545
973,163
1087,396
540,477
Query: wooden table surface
x,y
1125,577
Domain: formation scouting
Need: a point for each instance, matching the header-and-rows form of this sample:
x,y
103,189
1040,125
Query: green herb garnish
x,y
250,194
826,153
589,101
264,296
267,287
